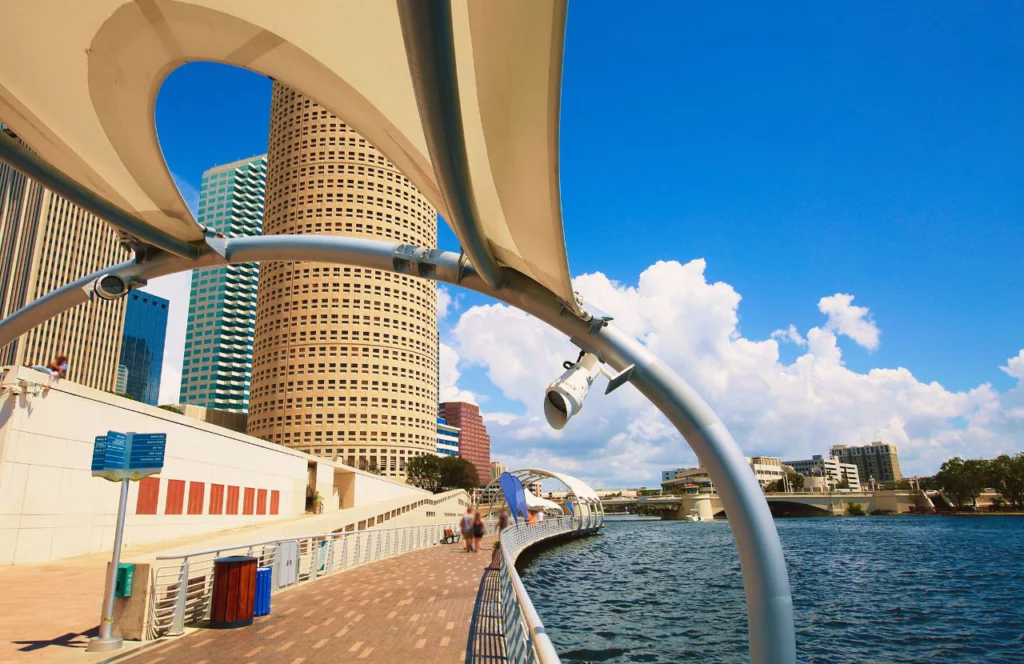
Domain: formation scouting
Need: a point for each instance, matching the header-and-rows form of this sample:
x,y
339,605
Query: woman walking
x,y
466,527
478,531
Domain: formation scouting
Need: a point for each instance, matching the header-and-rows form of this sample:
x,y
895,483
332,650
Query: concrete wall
x,y
52,507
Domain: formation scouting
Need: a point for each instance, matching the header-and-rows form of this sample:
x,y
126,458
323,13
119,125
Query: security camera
x,y
110,287
564,397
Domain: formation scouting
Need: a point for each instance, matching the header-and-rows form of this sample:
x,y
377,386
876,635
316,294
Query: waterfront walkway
x,y
418,607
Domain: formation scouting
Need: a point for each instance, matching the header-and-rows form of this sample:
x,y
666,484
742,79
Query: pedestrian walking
x,y
466,528
502,520
478,530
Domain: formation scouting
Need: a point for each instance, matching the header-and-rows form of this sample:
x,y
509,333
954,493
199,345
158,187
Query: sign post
x,y
119,457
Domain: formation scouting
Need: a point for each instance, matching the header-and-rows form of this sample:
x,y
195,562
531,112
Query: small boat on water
x,y
694,515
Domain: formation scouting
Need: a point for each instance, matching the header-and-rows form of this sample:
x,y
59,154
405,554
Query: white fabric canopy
x,y
577,486
80,78
535,502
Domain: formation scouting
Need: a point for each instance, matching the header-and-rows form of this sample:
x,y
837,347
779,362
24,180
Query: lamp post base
x,y
104,643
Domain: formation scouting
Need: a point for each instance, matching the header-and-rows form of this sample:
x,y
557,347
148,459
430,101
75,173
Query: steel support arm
x,y
769,602
29,164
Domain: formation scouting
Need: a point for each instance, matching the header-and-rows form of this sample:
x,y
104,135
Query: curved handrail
x,y
514,598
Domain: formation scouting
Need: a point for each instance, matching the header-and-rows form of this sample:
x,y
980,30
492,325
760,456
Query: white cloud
x,y
845,318
444,301
1015,366
174,287
791,410
790,334
449,376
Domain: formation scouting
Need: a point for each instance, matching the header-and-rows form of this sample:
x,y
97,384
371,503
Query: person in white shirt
x,y
466,528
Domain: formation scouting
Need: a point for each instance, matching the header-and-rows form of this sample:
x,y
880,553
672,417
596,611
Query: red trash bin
x,y
234,592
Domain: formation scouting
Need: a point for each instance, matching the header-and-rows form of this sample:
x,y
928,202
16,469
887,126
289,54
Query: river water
x,y
865,589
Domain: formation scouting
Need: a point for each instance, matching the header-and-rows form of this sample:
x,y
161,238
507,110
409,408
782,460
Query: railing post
x,y
314,559
380,546
178,617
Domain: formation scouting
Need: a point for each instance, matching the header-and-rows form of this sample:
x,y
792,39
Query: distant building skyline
x,y
497,468
876,461
142,345
47,242
447,438
217,360
474,442
832,471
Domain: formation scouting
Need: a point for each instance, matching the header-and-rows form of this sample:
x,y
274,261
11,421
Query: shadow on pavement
x,y
486,643
77,640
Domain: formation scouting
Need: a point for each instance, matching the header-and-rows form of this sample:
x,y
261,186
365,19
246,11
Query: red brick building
x,y
474,443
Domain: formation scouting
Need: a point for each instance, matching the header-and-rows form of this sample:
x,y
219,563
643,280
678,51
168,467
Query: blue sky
x,y
874,149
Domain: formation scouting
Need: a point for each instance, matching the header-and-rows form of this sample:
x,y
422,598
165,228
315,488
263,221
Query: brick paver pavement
x,y
415,608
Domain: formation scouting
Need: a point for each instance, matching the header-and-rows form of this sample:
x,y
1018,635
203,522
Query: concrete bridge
x,y
782,504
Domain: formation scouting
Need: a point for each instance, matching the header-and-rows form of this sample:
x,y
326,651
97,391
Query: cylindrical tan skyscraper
x,y
345,359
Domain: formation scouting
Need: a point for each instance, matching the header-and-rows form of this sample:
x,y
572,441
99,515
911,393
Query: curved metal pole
x,y
769,602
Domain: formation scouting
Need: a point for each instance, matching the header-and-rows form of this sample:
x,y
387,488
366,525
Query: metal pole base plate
x,y
104,643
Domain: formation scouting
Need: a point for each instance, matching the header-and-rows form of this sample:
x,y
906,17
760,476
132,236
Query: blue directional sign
x,y
146,456
99,454
131,456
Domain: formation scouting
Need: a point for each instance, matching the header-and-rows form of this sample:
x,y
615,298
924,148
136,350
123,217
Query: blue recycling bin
x,y
261,602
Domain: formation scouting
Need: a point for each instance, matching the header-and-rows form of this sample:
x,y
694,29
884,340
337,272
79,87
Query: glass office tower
x,y
222,303
142,345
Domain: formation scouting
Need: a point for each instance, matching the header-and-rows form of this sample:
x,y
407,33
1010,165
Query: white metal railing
x,y
525,638
182,591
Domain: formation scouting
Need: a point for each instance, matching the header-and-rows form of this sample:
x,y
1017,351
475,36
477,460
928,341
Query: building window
x,y
196,493
216,499
149,495
175,497
249,501
232,500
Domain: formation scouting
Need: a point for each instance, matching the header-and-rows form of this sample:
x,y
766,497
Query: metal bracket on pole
x,y
615,381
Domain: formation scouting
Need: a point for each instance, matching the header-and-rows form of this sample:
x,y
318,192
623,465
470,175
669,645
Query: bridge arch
x,y
789,508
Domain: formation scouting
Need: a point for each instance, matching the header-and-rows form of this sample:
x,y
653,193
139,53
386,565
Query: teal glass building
x,y
142,345
222,302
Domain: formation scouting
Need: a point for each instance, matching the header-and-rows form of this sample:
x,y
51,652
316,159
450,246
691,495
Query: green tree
x,y
424,472
1006,475
796,480
963,481
457,473
855,509
844,484
372,467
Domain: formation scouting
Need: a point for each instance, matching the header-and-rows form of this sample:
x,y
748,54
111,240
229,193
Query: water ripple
x,y
885,589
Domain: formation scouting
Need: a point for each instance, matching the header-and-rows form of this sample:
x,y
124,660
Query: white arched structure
x,y
586,503
462,95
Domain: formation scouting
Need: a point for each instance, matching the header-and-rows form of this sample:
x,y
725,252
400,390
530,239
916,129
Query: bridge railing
x,y
526,642
182,589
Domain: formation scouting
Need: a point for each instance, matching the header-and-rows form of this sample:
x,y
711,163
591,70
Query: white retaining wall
x,y
52,507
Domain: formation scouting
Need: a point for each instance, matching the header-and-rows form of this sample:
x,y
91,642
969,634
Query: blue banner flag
x,y
513,489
